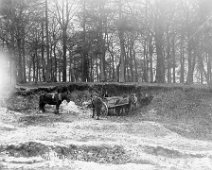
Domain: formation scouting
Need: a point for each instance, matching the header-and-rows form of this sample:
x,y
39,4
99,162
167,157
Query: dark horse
x,y
53,99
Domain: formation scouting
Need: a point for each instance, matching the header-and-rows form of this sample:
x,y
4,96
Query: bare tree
x,y
64,12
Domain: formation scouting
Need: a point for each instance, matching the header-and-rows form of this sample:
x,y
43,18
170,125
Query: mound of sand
x,y
70,107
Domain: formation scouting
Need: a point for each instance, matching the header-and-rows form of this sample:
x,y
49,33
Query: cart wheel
x,y
104,110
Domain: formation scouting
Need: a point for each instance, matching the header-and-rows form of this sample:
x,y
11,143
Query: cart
x,y
116,103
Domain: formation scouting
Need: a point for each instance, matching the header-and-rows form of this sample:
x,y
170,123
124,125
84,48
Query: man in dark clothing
x,y
99,107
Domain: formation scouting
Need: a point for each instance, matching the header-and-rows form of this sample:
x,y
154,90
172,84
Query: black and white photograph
x,y
105,84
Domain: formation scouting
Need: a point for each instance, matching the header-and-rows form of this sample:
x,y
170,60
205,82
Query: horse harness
x,y
54,96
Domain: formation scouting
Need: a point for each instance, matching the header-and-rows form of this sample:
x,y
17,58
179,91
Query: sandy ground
x,y
72,140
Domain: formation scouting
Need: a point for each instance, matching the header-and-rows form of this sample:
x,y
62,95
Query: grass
x,y
118,139
101,154
187,113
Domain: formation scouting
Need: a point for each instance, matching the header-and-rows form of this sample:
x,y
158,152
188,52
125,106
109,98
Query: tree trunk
x,y
168,59
160,76
13,58
131,60
151,58
145,68
23,55
20,73
136,68
64,53
97,72
37,67
174,59
85,71
182,60
209,69
189,75
33,63
30,69
55,63
121,40
91,65
122,56
190,72
42,52
71,67
47,42
101,42
51,63
102,62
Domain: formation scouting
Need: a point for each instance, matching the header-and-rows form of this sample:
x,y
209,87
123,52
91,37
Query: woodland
x,y
162,46
163,41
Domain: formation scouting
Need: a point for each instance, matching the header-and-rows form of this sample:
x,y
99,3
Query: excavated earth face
x,y
72,140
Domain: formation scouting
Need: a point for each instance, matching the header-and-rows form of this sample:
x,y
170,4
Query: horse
x,y
127,102
53,99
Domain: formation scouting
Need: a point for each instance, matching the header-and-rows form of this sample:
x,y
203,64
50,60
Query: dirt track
x,y
75,141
